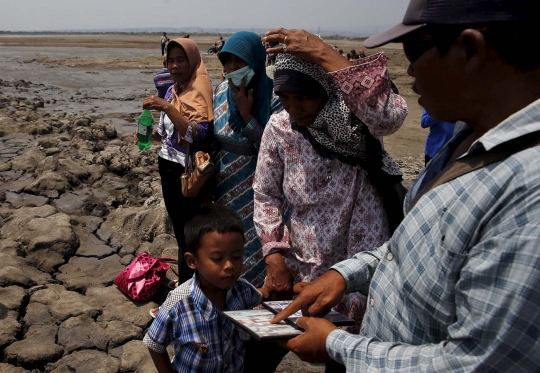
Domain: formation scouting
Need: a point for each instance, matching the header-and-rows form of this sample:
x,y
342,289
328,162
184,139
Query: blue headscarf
x,y
248,46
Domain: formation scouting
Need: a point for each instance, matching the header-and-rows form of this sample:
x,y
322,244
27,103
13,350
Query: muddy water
x,y
97,89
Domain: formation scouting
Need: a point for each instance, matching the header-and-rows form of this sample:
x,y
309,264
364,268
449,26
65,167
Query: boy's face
x,y
219,260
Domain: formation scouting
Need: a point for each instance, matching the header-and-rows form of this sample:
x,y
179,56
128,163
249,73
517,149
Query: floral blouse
x,y
335,211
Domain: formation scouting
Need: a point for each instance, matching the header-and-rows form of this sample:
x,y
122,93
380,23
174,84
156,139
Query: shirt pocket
x,y
199,354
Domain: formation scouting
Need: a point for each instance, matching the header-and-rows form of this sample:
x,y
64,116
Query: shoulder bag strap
x,y
188,165
475,162
195,133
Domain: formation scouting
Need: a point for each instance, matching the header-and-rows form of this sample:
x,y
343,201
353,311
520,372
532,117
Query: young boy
x,y
191,319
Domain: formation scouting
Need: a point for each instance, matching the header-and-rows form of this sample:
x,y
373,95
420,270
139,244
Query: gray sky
x,y
364,17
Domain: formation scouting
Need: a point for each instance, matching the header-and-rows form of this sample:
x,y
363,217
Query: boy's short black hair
x,y
211,218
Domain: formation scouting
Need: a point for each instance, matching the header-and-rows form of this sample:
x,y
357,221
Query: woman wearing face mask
x,y
187,103
243,103
317,155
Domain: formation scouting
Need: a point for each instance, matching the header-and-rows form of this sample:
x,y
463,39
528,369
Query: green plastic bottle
x,y
144,130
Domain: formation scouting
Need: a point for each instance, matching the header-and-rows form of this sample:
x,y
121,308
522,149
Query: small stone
x,y
126,250
52,151
127,259
104,233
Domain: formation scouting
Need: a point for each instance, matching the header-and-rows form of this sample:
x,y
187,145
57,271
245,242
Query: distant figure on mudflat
x,y
351,56
164,40
220,44
163,80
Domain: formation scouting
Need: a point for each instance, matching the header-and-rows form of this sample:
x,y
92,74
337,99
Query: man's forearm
x,y
358,270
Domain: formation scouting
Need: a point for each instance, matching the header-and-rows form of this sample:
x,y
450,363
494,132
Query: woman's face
x,y
232,63
303,109
178,64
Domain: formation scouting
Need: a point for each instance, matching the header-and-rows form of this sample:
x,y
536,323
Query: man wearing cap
x,y
457,287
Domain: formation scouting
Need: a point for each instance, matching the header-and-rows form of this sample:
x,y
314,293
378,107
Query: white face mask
x,y
237,76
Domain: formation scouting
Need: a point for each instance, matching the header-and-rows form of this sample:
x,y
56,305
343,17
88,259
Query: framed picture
x,y
257,324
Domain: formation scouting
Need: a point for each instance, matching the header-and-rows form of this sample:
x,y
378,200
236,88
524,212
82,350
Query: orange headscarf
x,y
195,99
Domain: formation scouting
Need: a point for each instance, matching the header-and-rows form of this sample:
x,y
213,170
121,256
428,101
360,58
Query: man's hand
x,y
317,298
278,277
298,287
243,102
310,346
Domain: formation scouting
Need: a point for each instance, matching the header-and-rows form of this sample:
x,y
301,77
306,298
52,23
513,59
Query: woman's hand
x,y
307,47
156,136
155,103
176,116
278,277
265,293
243,102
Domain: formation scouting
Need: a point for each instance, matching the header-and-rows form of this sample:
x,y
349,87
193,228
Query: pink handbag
x,y
143,277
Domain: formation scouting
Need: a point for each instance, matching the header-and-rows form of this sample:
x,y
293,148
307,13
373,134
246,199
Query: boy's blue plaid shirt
x,y
204,340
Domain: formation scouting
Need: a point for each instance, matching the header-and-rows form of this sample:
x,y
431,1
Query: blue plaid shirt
x,y
457,287
204,341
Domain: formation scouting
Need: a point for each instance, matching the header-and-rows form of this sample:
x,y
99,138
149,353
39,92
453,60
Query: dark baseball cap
x,y
456,12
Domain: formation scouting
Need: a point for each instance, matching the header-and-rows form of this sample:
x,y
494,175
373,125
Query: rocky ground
x,y
77,202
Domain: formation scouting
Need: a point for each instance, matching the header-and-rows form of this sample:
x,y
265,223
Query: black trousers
x,y
179,208
162,49
265,357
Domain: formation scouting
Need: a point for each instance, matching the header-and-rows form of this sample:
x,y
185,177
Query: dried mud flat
x,y
78,200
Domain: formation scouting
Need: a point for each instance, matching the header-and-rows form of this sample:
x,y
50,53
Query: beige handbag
x,y
199,168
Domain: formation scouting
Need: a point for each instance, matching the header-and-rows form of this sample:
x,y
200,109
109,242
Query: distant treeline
x,y
94,32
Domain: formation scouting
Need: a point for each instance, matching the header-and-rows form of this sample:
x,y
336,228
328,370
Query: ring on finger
x,y
285,40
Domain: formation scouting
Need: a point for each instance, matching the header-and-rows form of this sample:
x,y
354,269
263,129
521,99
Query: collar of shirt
x,y
525,121
207,309
233,301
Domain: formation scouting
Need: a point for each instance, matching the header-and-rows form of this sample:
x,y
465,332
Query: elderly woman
x,y
187,103
243,103
323,155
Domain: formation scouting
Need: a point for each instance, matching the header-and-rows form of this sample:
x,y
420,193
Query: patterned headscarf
x,y
335,127
248,47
